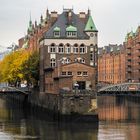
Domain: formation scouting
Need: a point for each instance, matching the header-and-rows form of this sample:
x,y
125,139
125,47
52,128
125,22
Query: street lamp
x,y
76,86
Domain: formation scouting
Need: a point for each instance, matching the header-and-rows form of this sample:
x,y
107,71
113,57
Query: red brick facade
x,y
65,76
111,65
132,45
36,31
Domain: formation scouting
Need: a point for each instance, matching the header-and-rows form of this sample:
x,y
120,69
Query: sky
x,y
113,18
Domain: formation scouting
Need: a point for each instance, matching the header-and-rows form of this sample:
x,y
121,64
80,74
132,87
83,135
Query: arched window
x,y
53,62
82,48
68,48
75,48
82,60
61,48
65,60
52,48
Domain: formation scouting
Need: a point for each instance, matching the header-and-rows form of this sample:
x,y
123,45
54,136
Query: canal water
x,y
119,120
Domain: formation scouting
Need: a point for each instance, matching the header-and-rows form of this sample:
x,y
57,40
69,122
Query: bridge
x,y
9,89
14,94
122,88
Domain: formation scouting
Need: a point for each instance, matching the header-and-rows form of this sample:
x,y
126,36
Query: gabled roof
x,y
63,22
90,26
78,63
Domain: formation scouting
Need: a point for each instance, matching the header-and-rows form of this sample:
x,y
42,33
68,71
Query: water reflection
x,y
119,120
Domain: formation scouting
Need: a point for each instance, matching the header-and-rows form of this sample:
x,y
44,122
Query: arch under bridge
x,y
123,87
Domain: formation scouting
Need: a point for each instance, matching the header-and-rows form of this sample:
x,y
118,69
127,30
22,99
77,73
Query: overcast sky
x,y
113,18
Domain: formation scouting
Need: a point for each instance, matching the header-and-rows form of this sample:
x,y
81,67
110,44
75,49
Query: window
x,y
68,48
82,49
52,48
82,60
67,61
69,73
85,73
53,62
63,73
79,73
61,48
71,34
75,48
56,34
91,55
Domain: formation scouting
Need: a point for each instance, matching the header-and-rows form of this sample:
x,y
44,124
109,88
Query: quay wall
x,y
67,105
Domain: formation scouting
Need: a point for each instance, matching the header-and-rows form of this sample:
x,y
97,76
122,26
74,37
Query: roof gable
x,y
90,26
76,24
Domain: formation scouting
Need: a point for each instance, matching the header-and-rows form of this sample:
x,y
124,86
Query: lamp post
x,y
76,86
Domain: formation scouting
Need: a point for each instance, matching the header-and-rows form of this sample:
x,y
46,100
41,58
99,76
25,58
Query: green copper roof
x,y
71,28
56,29
30,29
90,26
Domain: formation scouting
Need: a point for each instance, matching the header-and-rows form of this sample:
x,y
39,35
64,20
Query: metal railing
x,y
122,87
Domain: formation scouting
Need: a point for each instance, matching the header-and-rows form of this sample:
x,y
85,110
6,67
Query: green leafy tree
x,y
30,69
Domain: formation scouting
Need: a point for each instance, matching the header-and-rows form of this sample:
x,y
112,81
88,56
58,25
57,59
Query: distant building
x,y
68,53
132,45
36,30
111,64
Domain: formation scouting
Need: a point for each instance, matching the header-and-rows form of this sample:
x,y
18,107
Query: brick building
x,y
111,64
36,30
68,53
132,45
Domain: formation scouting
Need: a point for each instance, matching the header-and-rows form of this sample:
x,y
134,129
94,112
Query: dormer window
x,y
56,32
71,31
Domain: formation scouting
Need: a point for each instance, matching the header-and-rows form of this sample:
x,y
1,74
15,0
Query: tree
x,y
30,68
20,65
10,67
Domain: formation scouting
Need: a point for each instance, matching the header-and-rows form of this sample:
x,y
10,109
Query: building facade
x,y
111,64
132,45
36,30
68,53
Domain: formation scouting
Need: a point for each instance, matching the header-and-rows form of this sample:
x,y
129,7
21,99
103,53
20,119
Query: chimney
x,y
82,15
69,17
54,14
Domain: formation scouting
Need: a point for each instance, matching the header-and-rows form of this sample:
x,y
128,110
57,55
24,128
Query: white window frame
x,y
52,49
85,73
82,49
75,49
56,34
68,49
82,60
71,34
53,62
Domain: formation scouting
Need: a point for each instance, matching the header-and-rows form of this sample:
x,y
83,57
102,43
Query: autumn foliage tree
x,y
20,66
